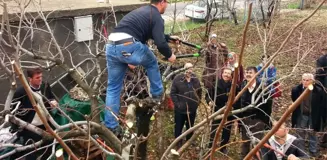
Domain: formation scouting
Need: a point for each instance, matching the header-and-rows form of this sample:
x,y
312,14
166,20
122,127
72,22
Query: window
x,y
201,3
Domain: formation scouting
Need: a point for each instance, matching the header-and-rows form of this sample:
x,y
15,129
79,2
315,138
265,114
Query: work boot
x,y
157,99
117,131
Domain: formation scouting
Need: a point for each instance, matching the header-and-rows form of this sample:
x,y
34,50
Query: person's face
x,y
249,74
189,72
36,80
230,58
306,82
227,75
163,5
281,132
213,40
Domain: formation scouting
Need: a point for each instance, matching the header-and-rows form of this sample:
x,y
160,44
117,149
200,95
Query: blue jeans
x,y
305,123
117,65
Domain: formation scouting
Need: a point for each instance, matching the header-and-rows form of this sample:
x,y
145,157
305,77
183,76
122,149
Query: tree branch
x,y
280,122
43,119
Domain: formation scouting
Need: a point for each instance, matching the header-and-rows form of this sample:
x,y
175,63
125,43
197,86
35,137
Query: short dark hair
x,y
33,71
263,56
277,118
155,1
228,68
252,68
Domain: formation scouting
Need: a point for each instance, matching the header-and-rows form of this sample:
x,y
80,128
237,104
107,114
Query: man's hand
x,y
172,58
131,66
53,103
210,103
176,39
292,157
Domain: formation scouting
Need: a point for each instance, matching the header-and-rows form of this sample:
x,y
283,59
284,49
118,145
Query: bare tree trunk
x,y
175,17
160,126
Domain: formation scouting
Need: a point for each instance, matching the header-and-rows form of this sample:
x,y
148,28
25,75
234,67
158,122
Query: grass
x,y
182,26
293,5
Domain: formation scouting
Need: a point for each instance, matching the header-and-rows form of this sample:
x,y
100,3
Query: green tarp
x,y
76,110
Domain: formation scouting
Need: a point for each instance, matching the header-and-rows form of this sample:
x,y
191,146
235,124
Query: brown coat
x,y
215,58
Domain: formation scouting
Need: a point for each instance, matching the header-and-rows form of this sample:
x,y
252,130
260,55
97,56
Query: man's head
x,y
34,76
227,74
307,79
160,4
213,39
282,131
250,72
231,57
265,58
189,71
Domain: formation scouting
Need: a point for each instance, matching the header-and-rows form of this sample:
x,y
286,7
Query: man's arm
x,y
321,70
18,96
160,39
300,149
49,93
174,91
272,73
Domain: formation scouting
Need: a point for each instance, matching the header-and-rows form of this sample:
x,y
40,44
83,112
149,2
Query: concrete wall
x,y
63,29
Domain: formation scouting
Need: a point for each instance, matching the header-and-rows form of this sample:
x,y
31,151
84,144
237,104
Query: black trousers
x,y
225,136
182,119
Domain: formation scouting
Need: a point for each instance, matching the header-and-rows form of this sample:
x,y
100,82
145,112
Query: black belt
x,y
127,40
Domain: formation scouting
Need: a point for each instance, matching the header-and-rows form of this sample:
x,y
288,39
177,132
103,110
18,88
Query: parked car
x,y
198,10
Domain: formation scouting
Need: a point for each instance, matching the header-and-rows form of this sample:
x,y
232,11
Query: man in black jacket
x,y
256,119
308,115
284,146
321,77
127,45
223,88
27,113
186,94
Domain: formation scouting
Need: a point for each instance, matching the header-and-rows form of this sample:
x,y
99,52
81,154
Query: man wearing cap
x,y
127,45
186,95
216,52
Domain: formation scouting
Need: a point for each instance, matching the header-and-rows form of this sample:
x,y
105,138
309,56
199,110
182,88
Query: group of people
x,y
127,48
308,118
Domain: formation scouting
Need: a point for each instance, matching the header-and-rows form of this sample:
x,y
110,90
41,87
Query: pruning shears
x,y
197,54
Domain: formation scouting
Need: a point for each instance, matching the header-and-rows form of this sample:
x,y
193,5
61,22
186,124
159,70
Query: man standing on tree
x,y
27,113
127,45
